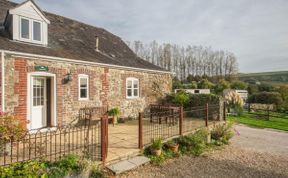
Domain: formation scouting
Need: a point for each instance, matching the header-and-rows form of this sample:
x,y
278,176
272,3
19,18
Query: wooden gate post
x,y
104,138
207,114
181,115
140,131
224,111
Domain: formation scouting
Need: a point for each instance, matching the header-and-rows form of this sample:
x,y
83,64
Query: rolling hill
x,y
274,78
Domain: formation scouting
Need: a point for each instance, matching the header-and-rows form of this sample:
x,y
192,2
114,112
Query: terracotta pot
x,y
174,147
155,152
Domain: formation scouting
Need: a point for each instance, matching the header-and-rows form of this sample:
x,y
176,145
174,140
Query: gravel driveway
x,y
253,153
261,140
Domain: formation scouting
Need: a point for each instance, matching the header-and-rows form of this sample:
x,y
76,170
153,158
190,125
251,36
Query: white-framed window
x,y
30,30
25,28
83,87
132,87
36,31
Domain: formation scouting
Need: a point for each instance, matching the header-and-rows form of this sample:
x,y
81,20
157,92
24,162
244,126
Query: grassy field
x,y
273,78
280,122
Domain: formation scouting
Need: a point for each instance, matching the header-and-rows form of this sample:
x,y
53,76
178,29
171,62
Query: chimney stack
x,y
97,43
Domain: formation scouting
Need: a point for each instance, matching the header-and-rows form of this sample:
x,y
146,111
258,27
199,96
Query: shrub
x,y
69,163
194,143
266,87
266,98
222,133
221,86
205,84
252,89
239,85
96,173
181,98
203,99
176,83
283,90
191,100
10,128
25,169
38,168
194,85
157,143
234,101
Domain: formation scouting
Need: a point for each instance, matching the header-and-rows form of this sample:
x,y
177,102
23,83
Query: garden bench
x,y
167,113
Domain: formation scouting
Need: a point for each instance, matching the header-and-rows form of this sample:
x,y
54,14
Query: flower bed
x,y
193,144
69,165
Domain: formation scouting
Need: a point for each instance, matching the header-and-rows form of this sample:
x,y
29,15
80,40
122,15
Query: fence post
x,y
140,131
181,120
207,115
103,139
224,111
107,122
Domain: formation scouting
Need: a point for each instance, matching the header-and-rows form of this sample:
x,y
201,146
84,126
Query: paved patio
x,y
123,137
123,140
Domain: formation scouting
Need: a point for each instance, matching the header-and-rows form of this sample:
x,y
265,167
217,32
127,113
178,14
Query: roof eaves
x,y
43,57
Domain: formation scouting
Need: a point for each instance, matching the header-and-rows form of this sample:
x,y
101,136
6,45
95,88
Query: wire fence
x,y
165,122
53,143
162,124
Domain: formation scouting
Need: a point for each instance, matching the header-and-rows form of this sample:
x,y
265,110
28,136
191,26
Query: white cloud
x,y
255,30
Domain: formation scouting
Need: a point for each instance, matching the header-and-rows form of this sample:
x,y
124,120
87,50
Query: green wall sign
x,y
41,68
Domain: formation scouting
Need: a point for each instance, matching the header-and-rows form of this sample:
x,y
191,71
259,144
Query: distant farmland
x,y
274,78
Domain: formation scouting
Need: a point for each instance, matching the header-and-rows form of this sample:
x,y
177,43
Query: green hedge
x,y
191,100
266,98
202,99
195,100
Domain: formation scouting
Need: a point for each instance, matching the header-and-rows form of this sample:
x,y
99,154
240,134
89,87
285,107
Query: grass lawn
x,y
280,123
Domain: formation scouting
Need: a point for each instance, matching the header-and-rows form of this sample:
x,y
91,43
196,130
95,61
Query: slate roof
x,y
71,39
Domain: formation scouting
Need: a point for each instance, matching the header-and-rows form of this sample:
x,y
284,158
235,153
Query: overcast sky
x,y
255,30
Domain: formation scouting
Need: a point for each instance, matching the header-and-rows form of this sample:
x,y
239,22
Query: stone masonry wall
x,y
106,88
1,85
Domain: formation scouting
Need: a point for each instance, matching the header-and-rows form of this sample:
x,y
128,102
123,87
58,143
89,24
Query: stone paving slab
x,y
139,160
127,165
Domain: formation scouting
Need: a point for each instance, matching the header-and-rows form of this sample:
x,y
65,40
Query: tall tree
x,y
188,60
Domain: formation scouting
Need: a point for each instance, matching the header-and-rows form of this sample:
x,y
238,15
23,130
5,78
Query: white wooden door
x,y
38,111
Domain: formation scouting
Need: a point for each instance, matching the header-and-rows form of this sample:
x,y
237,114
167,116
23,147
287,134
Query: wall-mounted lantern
x,y
68,78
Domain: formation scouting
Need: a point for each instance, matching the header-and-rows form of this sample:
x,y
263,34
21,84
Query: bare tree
x,y
188,60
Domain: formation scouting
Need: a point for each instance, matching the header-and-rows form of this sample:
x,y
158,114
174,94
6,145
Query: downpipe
x,y
3,81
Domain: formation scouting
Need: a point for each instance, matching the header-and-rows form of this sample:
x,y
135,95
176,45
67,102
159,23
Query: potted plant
x,y
173,146
156,147
115,112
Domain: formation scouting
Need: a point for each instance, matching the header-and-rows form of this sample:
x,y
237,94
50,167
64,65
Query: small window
x,y
132,88
36,31
30,30
25,28
83,87
38,91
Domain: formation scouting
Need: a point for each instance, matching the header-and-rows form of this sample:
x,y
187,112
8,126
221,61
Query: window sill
x,y
131,98
83,99
42,130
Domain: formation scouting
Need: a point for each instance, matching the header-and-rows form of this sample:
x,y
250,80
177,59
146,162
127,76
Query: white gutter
x,y
51,58
3,81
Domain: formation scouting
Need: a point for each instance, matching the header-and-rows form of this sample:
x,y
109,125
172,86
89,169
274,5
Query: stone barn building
x,y
52,66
